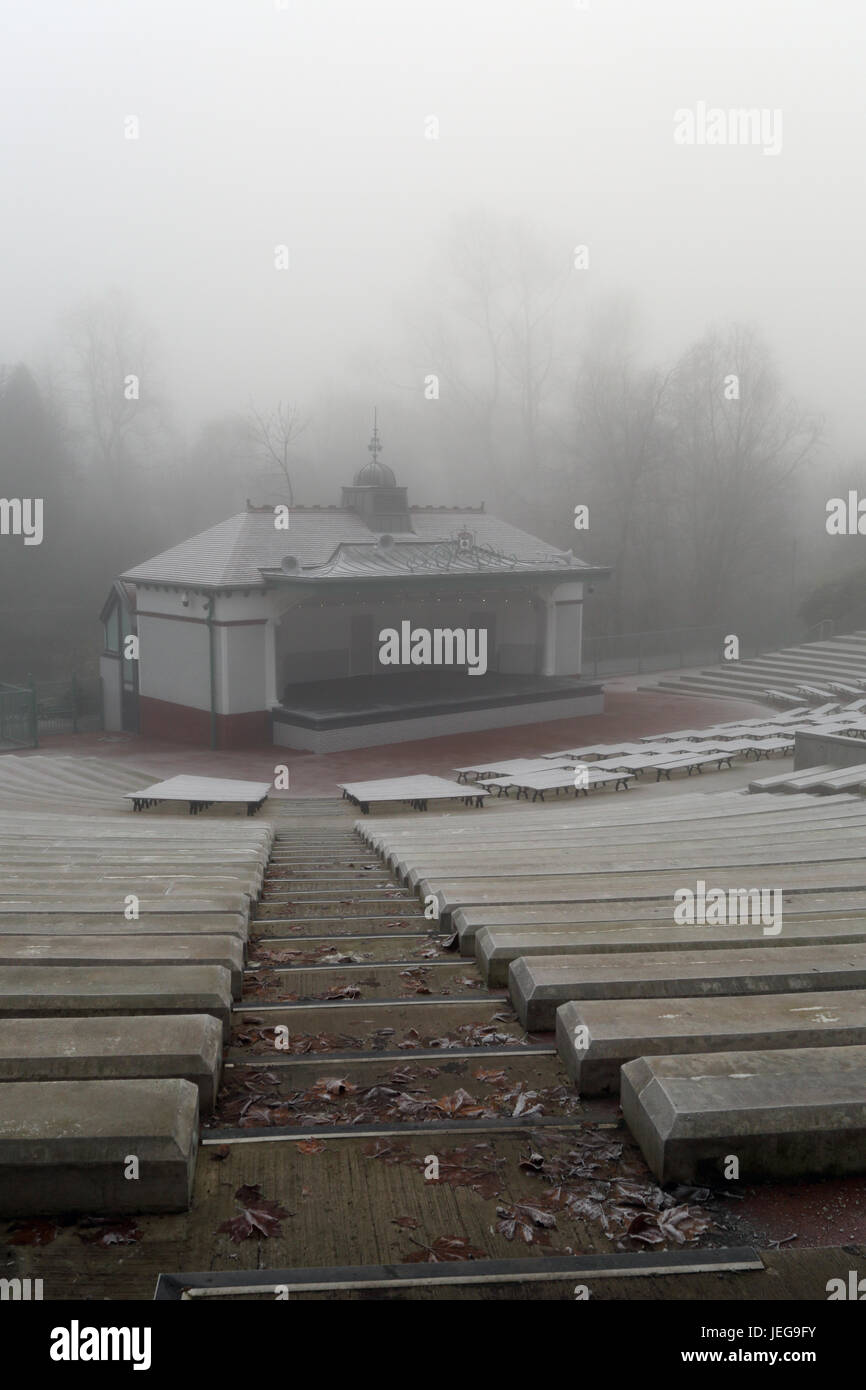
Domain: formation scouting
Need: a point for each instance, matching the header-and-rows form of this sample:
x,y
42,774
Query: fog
x,y
308,125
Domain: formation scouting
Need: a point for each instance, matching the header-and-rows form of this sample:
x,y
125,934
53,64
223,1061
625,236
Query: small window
x,y
112,632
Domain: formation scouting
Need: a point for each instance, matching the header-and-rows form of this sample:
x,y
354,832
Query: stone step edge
x,y
184,1286
420,1054
347,1004
284,1134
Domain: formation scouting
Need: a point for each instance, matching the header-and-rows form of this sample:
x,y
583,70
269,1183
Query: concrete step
x,y
468,921
114,923
114,1049
65,1146
781,1114
718,818
269,929
495,950
413,948
344,908
327,886
389,838
640,885
538,986
317,1090
374,981
556,862
64,991
134,949
106,903
373,1026
651,1027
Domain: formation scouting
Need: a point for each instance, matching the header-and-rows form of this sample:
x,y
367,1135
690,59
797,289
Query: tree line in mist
x,y
496,379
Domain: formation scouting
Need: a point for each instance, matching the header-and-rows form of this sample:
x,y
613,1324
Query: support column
x,y
271,696
548,652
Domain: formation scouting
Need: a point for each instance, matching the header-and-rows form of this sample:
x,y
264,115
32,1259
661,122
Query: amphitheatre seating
x,y
595,1041
691,762
106,991
576,779
496,948
577,906
779,675
785,1113
121,945
687,750
508,767
781,697
624,914
64,1146
138,949
414,791
813,692
134,1047
631,762
538,985
840,688
815,779
201,793
158,916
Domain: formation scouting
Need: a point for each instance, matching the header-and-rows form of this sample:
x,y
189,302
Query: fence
x,y
48,707
624,653
18,721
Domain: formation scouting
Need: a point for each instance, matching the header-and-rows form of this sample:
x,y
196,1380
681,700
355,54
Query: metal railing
x,y
18,721
48,707
626,653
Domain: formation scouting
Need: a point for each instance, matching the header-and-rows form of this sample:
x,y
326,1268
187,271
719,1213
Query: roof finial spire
x,y
374,447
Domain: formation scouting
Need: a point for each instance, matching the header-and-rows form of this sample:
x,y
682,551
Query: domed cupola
x,y
375,495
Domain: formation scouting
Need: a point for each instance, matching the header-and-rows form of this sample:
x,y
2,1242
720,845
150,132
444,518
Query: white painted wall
x,y
174,657
174,662
110,672
568,630
242,661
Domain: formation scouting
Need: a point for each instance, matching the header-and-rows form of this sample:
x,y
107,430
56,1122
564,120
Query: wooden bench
x,y
201,793
415,791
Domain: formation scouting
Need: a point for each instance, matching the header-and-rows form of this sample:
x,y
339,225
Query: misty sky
x,y
306,125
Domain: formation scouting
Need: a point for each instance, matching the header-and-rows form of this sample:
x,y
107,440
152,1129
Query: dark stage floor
x,y
409,695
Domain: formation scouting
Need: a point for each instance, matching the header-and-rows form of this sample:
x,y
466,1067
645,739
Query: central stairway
x,y
413,1134
344,962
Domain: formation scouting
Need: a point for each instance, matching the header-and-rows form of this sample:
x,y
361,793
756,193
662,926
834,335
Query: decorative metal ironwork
x,y
460,550
375,446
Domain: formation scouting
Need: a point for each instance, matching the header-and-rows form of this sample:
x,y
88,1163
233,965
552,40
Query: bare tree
x,y
275,435
494,339
113,396
738,444
619,447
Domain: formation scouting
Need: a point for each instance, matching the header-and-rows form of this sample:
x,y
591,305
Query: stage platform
x,y
370,711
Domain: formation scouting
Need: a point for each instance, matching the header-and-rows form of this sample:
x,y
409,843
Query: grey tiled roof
x,y
333,542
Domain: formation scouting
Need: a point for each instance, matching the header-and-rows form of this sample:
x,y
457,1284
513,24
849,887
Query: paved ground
x,y
629,714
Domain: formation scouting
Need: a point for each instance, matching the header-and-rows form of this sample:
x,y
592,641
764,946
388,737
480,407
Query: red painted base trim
x,y
182,724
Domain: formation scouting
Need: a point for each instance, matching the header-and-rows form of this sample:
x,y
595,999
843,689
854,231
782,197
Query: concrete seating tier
x,y
131,1047
495,950
67,991
538,985
122,944
819,665
66,1146
595,1041
784,1113
135,950
572,905
162,919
